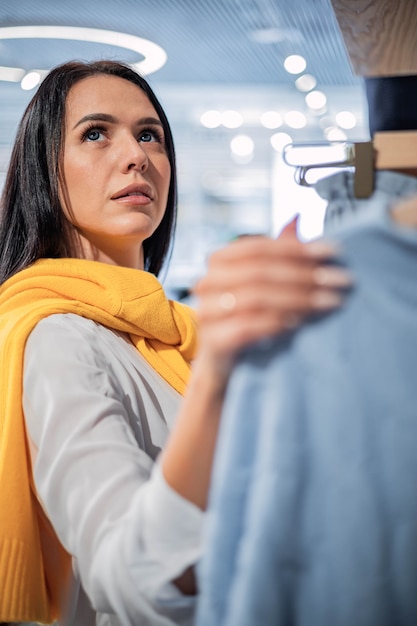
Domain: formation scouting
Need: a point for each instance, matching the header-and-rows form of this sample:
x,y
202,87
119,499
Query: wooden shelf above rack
x,y
380,35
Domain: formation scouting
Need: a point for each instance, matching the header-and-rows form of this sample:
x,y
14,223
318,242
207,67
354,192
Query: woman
x,y
96,360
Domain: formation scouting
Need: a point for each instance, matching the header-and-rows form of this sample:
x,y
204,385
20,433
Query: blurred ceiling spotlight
x,y
346,119
295,119
30,80
271,119
280,140
316,100
335,134
295,64
231,119
267,35
242,145
306,82
211,119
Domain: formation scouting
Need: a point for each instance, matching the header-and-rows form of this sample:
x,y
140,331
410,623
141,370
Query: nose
x,y
134,155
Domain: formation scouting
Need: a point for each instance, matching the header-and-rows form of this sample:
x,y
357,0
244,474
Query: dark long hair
x,y
32,222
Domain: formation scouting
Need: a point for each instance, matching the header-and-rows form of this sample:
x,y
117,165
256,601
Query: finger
x,y
291,228
260,250
255,304
309,275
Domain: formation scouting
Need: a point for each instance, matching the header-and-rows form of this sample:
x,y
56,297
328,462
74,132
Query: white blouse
x,y
98,415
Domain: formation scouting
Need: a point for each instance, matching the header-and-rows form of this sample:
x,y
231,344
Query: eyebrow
x,y
105,117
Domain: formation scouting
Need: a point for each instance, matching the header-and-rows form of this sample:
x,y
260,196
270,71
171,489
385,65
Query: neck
x,y
124,256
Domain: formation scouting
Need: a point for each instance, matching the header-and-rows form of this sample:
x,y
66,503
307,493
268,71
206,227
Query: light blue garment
x,y
313,511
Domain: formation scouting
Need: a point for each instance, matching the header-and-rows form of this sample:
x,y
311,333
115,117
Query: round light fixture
x,y
154,56
295,64
30,80
211,119
295,119
316,100
242,145
306,82
346,119
271,119
231,119
280,140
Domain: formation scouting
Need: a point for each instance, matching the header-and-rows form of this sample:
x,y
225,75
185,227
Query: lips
x,y
134,190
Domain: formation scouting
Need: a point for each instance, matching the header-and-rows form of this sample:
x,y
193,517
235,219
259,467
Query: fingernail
x,y
332,277
322,300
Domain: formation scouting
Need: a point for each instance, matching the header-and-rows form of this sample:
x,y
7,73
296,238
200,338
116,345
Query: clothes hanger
x,y
388,150
386,58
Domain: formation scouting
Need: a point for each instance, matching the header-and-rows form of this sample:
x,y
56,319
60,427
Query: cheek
x,y
165,177
75,188
78,174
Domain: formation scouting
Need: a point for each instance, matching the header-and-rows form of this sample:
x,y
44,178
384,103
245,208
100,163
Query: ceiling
x,y
213,47
222,54
233,41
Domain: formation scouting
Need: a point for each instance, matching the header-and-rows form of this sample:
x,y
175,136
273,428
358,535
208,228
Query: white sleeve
x,y
129,532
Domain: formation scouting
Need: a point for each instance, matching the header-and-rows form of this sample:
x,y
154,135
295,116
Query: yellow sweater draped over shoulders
x,y
123,299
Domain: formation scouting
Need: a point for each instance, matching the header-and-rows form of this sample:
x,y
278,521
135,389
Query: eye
x,y
149,135
146,136
93,134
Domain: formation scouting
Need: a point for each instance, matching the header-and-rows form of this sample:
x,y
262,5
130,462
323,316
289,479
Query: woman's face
x,y
116,169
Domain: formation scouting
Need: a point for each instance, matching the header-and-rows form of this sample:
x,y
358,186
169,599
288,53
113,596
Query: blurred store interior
x,y
239,79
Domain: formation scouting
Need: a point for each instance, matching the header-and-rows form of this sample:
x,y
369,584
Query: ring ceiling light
x,y
154,56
